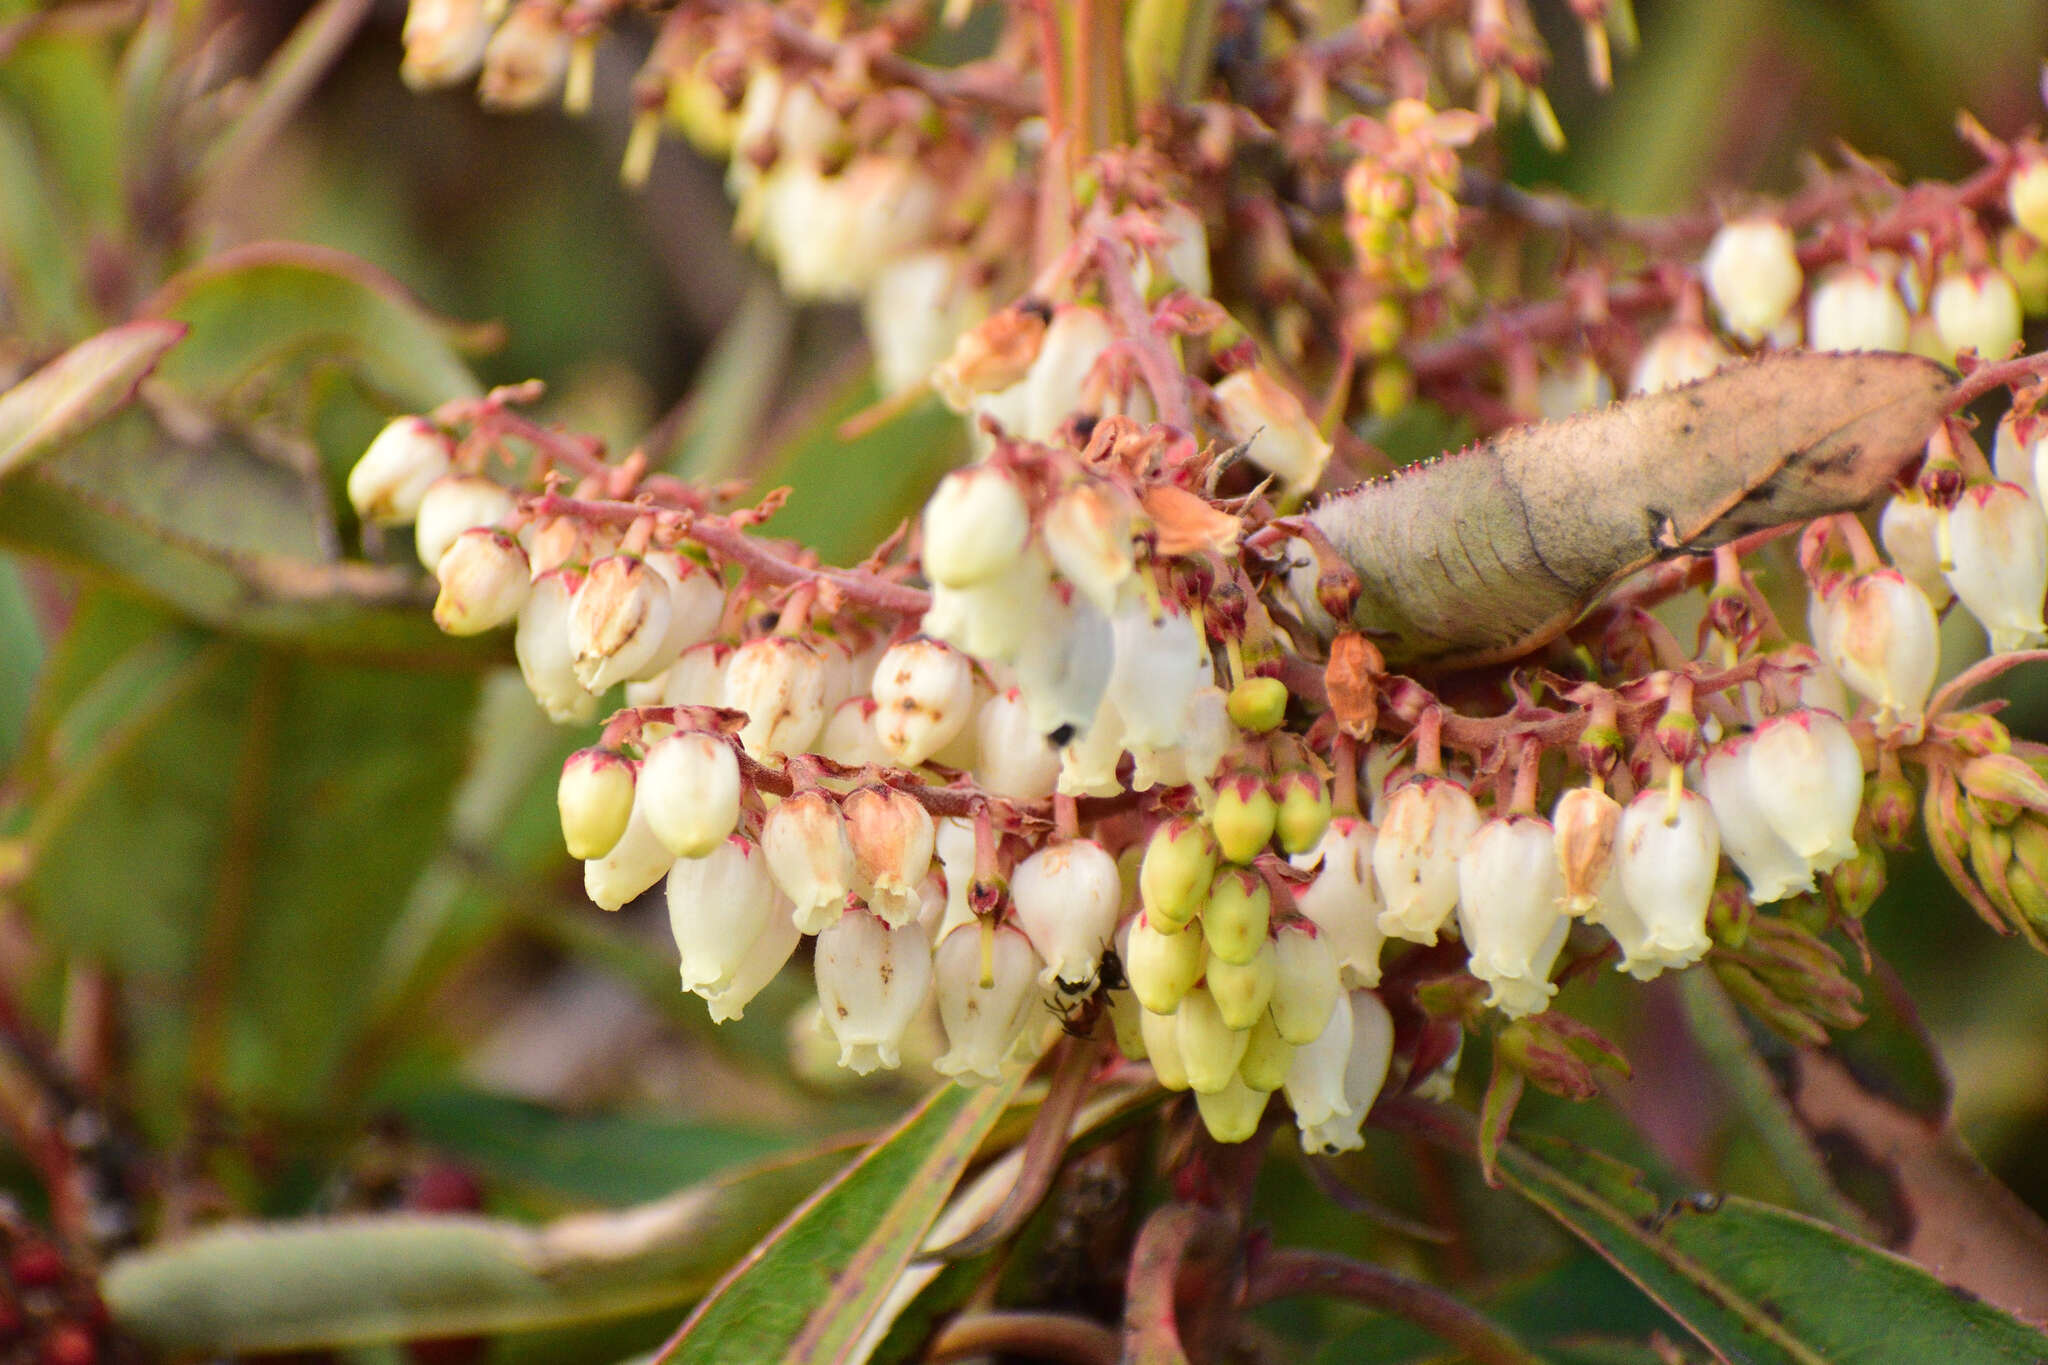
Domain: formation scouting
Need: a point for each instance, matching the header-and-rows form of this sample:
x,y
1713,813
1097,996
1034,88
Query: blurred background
x,y
292,905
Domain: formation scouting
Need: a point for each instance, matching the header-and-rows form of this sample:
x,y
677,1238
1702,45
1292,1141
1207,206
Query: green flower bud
x,y
1163,963
1180,862
1304,811
1125,1017
1242,990
1973,733
1209,1048
1305,984
2000,783
1244,818
1160,1035
595,799
1258,705
1858,882
1235,919
1267,1056
1891,806
1232,1113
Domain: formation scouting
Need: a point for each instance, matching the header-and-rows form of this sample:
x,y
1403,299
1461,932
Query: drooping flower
x,y
484,579
1164,961
892,837
810,857
1752,274
690,790
779,681
1423,830
924,696
1066,897
983,1017
1306,982
618,622
975,526
594,798
1806,776
1343,902
873,979
1669,850
1770,866
540,641
718,904
1510,911
387,484
451,505
2000,546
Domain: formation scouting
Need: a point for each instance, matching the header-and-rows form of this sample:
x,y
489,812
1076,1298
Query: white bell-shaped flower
x,y
697,678
975,526
1315,1086
1306,981
924,695
779,681
1769,864
1910,528
1818,689
1881,638
1510,911
764,958
1976,310
1284,440
953,843
594,798
1855,308
690,791
637,861
1088,766
1067,896
540,641
1002,617
1014,758
388,482
618,622
1087,532
718,904
850,737
919,307
1343,902
444,43
1423,830
1163,961
1612,912
1208,734
892,837
2015,457
1056,386
484,580
810,857
1669,852
984,1014
451,505
696,601
1159,665
1586,820
1753,276
1806,776
1063,671
1678,355
873,981
2000,546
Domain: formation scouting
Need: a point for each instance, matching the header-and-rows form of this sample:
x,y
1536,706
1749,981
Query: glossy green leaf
x,y
1760,1284
78,388
340,1282
21,657
808,1293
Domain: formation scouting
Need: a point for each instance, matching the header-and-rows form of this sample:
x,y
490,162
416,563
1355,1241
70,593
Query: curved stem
x,y
1036,1336
1282,1273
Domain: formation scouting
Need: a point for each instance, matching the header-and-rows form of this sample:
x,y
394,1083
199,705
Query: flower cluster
x,y
1076,745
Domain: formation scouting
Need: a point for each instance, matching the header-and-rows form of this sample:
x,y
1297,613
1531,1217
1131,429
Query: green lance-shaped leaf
x,y
79,387
1491,552
1760,1284
361,1281
809,1291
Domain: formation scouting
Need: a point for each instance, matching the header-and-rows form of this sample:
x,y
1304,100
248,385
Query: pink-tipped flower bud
x,y
1423,830
540,641
1855,308
810,857
718,904
1753,276
1807,778
690,790
1587,821
1013,758
1879,634
1669,853
1179,864
984,1015
924,693
388,483
1678,355
1510,912
2000,549
526,59
1772,868
451,505
892,837
618,622
1304,811
779,682
1210,1049
764,958
444,43
975,526
1239,910
1164,961
1343,902
1242,990
485,580
1087,532
1066,896
595,799
1976,310
873,980
1306,982
1245,816
1284,439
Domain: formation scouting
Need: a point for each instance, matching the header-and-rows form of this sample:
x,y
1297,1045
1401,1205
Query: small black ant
x,y
1079,1005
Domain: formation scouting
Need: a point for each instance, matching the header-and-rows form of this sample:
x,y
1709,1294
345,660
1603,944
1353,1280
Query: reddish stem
x,y
1283,1273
